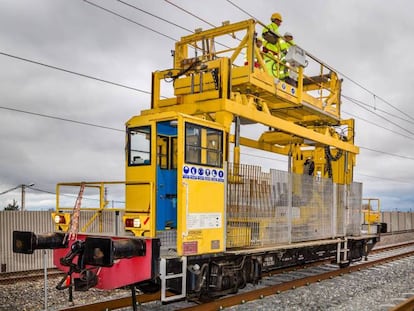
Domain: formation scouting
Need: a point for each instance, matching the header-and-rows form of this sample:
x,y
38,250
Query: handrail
x,y
103,203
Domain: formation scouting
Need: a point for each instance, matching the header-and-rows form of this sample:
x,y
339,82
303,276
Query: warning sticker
x,y
194,235
203,221
203,173
190,248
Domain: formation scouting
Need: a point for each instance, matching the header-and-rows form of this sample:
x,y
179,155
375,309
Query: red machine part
x,y
123,272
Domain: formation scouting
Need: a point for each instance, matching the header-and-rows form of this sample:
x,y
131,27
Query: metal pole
x,y
45,272
289,198
334,210
134,298
116,222
23,195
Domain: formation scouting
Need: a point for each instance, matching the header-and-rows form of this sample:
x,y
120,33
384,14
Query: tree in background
x,y
12,206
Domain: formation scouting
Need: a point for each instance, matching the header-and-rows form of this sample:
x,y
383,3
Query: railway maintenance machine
x,y
201,222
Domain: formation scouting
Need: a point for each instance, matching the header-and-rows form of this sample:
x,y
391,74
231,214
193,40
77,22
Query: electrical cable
x,y
377,109
116,84
153,15
385,178
160,18
388,153
73,72
378,115
245,12
188,12
129,20
377,125
61,119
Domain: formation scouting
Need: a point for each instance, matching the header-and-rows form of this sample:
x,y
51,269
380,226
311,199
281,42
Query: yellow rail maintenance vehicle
x,y
203,223
371,216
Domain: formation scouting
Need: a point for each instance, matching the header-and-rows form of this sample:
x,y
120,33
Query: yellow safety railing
x,y
205,61
100,198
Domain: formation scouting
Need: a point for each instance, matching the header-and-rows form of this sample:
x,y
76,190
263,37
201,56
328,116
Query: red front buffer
x,y
115,261
96,252
102,252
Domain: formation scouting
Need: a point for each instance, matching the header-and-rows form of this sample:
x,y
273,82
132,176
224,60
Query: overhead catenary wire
x,y
129,20
238,7
101,80
152,14
385,178
190,13
377,125
150,93
388,153
73,72
159,18
378,115
60,118
375,108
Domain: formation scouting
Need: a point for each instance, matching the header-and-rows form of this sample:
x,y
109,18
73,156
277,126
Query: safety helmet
x,y
288,34
276,16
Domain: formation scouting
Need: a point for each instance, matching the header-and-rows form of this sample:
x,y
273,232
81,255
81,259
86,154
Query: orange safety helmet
x,y
276,16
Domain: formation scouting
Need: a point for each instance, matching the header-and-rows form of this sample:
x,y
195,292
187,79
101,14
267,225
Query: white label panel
x,y
203,221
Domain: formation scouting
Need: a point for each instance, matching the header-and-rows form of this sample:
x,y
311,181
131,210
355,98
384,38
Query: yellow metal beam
x,y
261,117
288,127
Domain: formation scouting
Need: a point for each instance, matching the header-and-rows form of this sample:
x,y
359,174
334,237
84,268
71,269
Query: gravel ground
x,y
29,296
373,289
370,289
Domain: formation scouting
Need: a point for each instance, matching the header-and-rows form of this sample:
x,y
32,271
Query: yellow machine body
x,y
223,90
180,184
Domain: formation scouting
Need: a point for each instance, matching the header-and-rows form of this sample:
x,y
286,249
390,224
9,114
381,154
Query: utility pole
x,y
24,194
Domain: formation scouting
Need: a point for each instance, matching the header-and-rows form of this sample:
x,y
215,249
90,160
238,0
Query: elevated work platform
x,y
221,75
312,100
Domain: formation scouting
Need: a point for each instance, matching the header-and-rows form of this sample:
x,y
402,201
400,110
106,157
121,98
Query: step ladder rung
x,y
164,277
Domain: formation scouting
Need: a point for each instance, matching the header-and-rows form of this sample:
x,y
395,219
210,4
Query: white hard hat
x,y
288,34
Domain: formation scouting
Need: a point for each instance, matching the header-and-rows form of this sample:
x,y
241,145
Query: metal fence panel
x,y
41,222
278,207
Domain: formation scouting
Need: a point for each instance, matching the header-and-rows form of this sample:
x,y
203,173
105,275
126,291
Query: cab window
x,y
203,145
139,146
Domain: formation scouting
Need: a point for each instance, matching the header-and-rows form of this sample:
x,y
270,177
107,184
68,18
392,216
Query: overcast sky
x,y
369,42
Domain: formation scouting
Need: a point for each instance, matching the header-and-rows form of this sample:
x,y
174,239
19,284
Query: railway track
x,y
13,277
271,284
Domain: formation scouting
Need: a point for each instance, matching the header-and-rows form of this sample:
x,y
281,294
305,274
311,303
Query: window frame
x,y
145,130
204,152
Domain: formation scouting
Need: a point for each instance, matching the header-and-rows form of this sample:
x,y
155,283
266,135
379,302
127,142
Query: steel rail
x,y
13,277
115,303
407,305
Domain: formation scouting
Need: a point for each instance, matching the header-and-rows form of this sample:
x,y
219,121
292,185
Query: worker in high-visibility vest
x,y
285,43
271,47
259,43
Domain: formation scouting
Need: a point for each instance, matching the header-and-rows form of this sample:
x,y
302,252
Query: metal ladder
x,y
342,252
165,276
